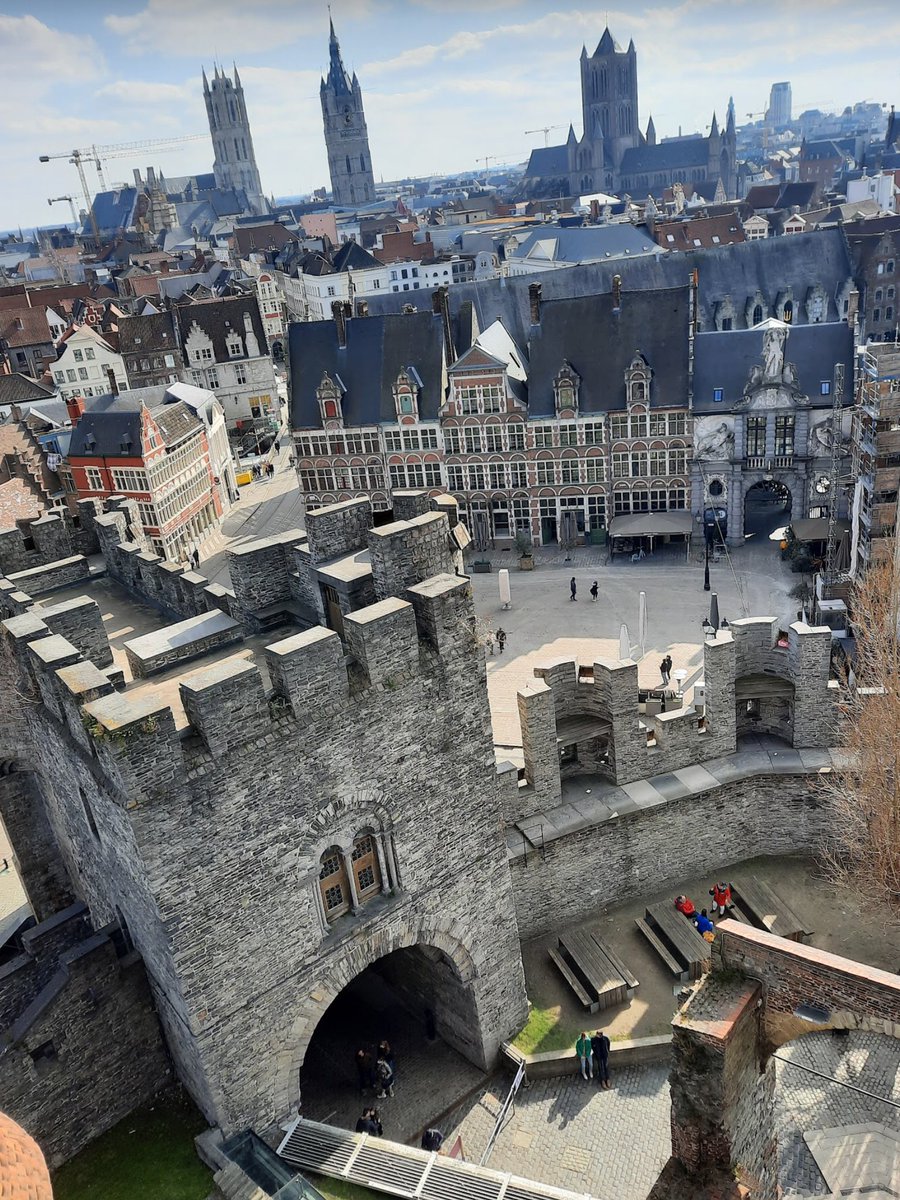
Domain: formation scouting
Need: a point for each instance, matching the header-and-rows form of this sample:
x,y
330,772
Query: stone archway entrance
x,y
435,982
414,999
767,507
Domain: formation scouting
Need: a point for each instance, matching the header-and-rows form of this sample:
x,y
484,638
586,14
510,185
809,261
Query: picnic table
x,y
689,949
593,971
767,911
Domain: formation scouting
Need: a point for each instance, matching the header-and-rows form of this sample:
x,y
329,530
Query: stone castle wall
x,y
82,1043
55,535
578,875
207,840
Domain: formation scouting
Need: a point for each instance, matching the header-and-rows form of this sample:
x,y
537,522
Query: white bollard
x,y
505,595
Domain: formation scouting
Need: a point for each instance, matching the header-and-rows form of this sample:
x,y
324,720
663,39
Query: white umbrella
x,y
642,622
624,643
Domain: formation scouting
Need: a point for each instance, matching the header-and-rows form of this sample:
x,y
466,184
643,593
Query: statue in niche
x,y
713,439
773,351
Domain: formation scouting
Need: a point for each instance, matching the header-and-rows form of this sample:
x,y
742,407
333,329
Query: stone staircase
x,y
858,1160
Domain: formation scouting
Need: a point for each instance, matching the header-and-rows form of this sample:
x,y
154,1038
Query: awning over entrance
x,y
677,523
815,529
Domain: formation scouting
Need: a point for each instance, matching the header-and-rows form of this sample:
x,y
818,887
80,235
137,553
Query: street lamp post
x,y
706,568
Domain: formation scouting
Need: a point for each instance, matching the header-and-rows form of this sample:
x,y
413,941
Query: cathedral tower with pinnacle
x,y
346,136
235,162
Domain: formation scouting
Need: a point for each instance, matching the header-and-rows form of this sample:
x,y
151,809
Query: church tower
x,y
609,100
346,136
235,163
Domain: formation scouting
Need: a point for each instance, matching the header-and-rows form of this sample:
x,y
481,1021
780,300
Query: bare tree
x,y
864,795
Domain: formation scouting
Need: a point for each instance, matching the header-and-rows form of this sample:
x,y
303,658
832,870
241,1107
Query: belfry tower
x,y
346,136
235,164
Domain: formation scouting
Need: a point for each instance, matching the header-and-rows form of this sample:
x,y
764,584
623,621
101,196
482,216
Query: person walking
x,y
595,588
600,1051
664,668
501,639
583,1050
432,1139
573,588
195,559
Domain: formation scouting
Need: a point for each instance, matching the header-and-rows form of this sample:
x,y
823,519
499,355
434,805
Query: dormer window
x,y
637,381
330,394
406,393
235,348
565,388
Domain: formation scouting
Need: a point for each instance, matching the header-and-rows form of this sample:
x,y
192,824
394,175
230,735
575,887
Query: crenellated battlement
x,y
47,539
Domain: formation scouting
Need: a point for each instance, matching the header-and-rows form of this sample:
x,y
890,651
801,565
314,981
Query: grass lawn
x,y
544,1030
148,1156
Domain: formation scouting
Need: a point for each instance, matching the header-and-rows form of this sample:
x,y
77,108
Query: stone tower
x,y
235,164
346,136
609,100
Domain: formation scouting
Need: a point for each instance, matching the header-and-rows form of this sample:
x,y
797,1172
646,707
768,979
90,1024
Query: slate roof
x,y
21,389
378,348
723,360
261,237
767,265
665,156
351,257
219,317
111,426
707,231
581,244
600,343
154,332
548,161
115,209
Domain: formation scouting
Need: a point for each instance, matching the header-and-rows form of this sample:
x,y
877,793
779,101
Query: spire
x,y
607,44
583,50
730,120
714,128
338,79
237,78
205,83
651,132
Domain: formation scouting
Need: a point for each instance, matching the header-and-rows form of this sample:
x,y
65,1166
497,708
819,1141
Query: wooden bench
x,y
767,911
675,967
572,981
601,979
681,935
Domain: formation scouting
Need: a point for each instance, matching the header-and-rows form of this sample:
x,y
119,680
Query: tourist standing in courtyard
x,y
583,1050
721,894
501,639
600,1050
573,588
595,588
664,668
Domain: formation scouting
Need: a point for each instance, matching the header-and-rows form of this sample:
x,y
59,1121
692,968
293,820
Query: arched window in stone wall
x,y
334,884
366,868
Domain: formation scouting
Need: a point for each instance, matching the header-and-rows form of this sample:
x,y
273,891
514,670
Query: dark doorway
x,y
767,507
333,614
431,1075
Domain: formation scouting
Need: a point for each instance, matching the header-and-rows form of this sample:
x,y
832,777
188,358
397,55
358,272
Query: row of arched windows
x,y
351,876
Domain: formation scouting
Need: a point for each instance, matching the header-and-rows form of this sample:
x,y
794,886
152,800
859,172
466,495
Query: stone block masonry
x,y
406,552
84,1046
209,841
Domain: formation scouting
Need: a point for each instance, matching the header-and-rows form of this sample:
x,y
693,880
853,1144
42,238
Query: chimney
x,y
113,383
595,211
440,304
534,301
616,292
853,308
75,407
138,182
340,320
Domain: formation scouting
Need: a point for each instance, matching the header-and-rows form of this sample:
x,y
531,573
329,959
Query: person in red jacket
x,y
721,897
685,906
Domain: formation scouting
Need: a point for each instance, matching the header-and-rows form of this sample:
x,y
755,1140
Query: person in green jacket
x,y
583,1050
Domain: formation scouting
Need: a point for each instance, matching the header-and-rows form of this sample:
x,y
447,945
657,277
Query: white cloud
x,y
35,56
224,29
137,92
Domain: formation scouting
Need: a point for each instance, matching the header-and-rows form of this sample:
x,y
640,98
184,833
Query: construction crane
x,y
765,119
98,154
545,130
71,200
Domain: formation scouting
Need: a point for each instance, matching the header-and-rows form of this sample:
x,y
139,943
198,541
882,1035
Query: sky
x,y
445,82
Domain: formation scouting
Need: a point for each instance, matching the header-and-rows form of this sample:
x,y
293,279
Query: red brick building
x,y
154,452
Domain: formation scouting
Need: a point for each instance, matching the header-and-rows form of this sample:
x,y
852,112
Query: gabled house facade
x,y
84,362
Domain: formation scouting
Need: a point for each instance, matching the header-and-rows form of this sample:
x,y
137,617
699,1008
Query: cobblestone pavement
x,y
803,1102
609,1144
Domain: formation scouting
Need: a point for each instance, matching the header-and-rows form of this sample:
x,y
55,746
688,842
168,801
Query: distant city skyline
x,y
444,86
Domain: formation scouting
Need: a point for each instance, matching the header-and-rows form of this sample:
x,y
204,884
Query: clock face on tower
x,y
347,114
